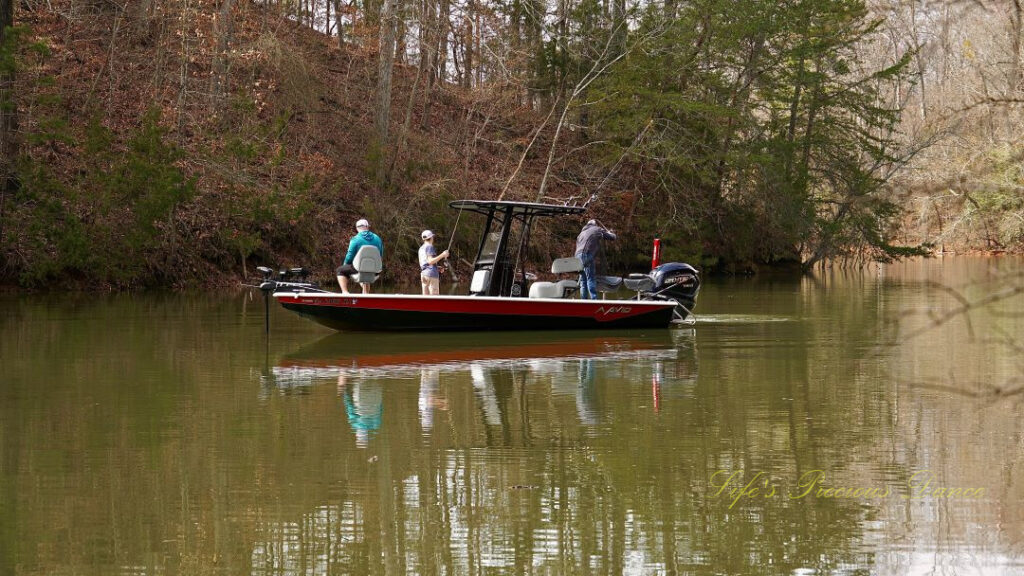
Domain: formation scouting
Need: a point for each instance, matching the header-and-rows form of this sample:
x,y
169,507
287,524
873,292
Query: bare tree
x,y
339,23
605,60
218,80
968,121
1016,39
389,30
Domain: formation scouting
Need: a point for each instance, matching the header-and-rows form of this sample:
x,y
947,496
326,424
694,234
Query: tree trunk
x,y
218,80
918,48
1017,81
400,38
426,33
619,24
403,134
8,116
372,12
431,24
183,72
443,24
389,28
805,161
479,52
339,22
794,111
467,45
456,50
738,103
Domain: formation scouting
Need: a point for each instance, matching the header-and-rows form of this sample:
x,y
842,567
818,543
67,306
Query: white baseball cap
x,y
427,235
363,223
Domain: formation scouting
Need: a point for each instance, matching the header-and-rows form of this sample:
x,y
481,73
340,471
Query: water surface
x,y
164,434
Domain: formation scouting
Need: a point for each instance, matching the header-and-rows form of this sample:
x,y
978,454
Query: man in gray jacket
x,y
588,243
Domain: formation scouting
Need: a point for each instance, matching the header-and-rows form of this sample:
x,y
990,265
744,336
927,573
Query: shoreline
x,y
238,284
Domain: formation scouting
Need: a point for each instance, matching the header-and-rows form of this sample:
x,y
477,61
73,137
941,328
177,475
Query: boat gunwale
x,y
578,301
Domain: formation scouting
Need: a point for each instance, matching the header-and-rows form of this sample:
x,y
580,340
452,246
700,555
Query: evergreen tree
x,y
760,116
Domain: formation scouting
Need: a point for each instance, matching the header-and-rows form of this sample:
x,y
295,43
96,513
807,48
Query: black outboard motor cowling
x,y
677,281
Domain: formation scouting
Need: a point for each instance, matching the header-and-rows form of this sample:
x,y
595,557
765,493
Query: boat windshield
x,y
490,248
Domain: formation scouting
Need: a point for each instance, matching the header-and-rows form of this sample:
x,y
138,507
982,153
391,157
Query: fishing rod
x,y
451,239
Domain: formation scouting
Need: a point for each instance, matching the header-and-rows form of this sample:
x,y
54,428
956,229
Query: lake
x,y
850,422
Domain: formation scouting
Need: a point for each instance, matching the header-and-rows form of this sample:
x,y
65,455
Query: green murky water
x,y
841,424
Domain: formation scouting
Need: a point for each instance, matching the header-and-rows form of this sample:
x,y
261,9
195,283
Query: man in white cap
x,y
430,276
362,238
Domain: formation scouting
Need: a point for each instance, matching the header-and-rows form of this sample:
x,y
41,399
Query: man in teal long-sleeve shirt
x,y
362,238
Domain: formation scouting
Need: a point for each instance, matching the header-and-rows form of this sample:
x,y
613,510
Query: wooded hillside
x,y
185,141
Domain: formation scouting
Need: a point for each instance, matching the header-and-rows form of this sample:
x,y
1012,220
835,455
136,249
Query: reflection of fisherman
x,y
587,245
364,406
486,393
429,390
587,403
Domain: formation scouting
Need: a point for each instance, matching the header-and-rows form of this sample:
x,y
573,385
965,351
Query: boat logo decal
x,y
331,301
613,310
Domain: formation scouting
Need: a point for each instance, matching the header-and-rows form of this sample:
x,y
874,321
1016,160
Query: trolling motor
x,y
295,279
288,279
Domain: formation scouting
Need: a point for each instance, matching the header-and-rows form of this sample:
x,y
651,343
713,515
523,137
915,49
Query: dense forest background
x,y
183,142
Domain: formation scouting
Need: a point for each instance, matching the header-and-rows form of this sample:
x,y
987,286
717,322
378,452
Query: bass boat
x,y
502,295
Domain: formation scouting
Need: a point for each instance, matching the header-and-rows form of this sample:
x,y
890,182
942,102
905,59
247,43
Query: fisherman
x,y
362,238
430,276
588,243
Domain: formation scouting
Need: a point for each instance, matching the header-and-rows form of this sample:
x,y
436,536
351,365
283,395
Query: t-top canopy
x,y
518,208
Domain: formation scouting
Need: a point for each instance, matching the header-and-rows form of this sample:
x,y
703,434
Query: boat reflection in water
x,y
602,454
451,454
562,365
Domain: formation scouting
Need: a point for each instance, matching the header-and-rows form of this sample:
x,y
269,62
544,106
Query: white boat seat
x,y
639,282
545,290
367,263
562,288
570,265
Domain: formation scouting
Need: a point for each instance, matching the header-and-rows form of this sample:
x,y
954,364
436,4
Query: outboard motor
x,y
677,281
673,281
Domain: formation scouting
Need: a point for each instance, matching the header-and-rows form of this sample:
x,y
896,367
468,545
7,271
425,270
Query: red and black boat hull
x,y
400,312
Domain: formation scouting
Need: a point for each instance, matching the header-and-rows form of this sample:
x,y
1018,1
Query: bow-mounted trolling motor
x,y
288,279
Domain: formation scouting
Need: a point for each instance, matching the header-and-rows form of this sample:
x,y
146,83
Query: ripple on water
x,y
740,319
